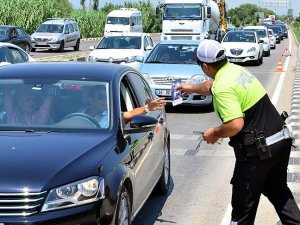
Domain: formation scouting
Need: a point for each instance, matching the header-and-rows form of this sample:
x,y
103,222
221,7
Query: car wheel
x,y
76,47
261,60
33,49
123,213
162,186
62,46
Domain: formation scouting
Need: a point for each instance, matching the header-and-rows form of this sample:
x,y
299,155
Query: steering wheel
x,y
84,115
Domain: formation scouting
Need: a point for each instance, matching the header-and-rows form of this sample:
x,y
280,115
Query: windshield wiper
x,y
155,61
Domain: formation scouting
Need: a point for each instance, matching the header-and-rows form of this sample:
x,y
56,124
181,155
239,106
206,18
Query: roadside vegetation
x,y
296,28
29,14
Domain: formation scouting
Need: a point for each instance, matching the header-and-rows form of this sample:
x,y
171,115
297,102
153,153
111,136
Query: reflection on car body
x,y
61,165
172,60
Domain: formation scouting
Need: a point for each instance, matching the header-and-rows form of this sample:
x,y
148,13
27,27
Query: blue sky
x,y
294,4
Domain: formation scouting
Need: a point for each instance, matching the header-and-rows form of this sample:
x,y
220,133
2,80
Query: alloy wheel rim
x,y
166,166
123,211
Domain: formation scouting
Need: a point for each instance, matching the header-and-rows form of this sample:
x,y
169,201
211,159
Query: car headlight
x,y
78,193
253,49
148,78
198,79
54,39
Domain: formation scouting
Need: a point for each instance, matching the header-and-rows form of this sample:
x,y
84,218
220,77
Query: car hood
x,y
115,53
174,70
41,161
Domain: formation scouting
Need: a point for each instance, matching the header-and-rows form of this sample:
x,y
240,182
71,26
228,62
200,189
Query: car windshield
x,y
53,105
120,42
51,28
118,20
233,36
260,32
4,32
182,11
174,54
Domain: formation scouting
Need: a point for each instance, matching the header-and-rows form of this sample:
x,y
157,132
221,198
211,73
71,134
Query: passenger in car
x,y
98,106
24,107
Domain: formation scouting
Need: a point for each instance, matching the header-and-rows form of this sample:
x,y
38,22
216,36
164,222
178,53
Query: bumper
x,y
83,215
45,45
191,100
266,47
272,43
242,58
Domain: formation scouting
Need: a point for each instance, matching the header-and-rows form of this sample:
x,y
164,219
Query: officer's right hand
x,y
185,89
209,136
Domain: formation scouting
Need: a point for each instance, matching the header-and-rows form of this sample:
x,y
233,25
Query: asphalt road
x,y
200,191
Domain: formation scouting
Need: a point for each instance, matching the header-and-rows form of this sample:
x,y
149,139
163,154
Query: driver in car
x,y
98,106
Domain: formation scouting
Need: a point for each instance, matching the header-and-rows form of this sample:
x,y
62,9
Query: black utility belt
x,y
261,142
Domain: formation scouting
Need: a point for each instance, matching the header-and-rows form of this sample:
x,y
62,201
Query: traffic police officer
x,y
258,135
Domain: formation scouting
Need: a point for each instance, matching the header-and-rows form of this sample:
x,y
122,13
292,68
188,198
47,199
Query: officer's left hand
x,y
209,136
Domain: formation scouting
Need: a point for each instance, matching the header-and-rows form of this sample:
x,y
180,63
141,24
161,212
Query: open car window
x,y
53,104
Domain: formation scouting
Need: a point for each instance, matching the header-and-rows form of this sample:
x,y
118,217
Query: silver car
x,y
171,60
56,34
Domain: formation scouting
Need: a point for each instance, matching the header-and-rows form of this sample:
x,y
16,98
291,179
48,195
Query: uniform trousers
x,y
253,177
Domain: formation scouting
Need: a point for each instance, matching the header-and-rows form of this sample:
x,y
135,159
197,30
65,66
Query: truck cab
x,y
188,19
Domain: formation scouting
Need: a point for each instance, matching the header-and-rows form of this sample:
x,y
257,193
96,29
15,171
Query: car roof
x,y
168,42
65,70
59,21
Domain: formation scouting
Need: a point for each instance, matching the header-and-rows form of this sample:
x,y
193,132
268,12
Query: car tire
x,y
76,47
268,53
163,183
62,46
123,212
33,49
261,60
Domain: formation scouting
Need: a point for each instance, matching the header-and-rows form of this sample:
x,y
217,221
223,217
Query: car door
x,y
68,36
145,150
14,38
23,42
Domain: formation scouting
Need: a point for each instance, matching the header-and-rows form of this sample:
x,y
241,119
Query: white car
x,y
121,47
262,33
272,39
243,46
11,54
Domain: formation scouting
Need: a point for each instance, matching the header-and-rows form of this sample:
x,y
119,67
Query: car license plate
x,y
163,92
235,60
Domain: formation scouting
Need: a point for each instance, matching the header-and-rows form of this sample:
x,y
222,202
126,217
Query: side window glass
x,y
145,42
16,56
21,33
141,90
150,41
71,28
3,55
67,30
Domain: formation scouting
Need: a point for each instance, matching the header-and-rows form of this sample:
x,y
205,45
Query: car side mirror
x,y
132,24
91,48
141,123
66,32
261,41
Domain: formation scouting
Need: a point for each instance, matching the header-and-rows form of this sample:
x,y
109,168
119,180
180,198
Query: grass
x,y
296,30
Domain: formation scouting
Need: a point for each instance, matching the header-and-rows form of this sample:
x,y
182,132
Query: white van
x,y
124,20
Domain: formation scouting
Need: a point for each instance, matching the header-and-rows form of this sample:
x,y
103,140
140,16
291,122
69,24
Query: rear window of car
x,y
51,105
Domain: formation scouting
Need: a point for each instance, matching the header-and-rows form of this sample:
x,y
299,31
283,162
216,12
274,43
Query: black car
x,y
277,30
59,165
17,36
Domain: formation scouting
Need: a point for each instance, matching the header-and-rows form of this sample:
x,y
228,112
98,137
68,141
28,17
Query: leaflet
x,y
176,95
